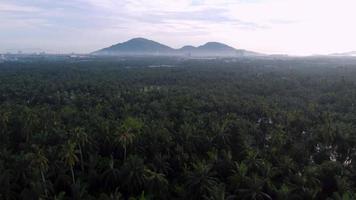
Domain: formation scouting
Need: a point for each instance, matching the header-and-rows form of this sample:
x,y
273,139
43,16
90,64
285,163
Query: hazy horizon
x,y
295,27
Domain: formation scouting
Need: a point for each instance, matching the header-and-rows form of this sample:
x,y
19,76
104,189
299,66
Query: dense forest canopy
x,y
170,128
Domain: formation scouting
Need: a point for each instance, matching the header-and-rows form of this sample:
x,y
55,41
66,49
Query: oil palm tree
x,y
344,196
222,136
239,174
125,139
284,192
133,174
4,121
219,193
8,184
254,190
111,176
69,157
40,161
81,138
79,190
200,181
30,121
156,183
128,130
160,164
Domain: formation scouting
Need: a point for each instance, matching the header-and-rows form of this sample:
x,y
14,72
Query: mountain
x,y
142,46
209,49
187,48
136,46
215,46
351,53
220,49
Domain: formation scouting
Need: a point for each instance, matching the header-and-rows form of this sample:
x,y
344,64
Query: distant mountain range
x,y
142,46
351,53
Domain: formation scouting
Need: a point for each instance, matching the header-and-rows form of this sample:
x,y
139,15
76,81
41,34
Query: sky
x,y
296,27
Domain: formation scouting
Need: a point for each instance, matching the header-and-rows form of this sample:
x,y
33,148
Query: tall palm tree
x,y
40,162
124,139
69,157
111,176
81,138
126,135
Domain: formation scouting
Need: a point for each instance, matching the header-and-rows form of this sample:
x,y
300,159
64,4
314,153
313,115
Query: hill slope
x,y
137,46
142,46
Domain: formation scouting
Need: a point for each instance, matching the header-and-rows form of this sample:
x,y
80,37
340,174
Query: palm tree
x,y
69,157
133,174
81,138
116,195
239,174
156,182
344,196
79,190
222,137
219,193
30,120
126,135
142,196
111,176
8,184
39,162
4,121
253,160
60,196
160,164
254,190
125,139
284,192
200,182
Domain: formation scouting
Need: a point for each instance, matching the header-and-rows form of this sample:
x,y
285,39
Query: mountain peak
x,y
143,46
136,46
139,39
214,43
216,46
187,47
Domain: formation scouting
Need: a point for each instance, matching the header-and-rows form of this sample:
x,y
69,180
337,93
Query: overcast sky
x,y
298,27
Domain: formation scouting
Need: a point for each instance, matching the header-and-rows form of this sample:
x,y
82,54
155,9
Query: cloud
x,y
277,26
8,7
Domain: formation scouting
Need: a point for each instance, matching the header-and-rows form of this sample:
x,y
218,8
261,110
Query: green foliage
x,y
214,129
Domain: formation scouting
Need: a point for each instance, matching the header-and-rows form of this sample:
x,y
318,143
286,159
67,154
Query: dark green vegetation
x,y
203,129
